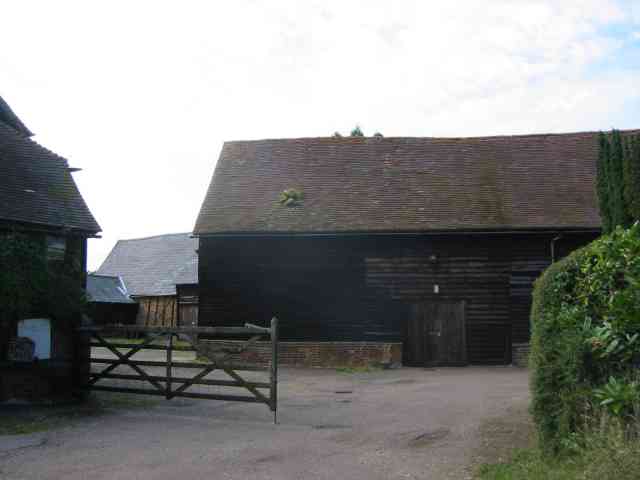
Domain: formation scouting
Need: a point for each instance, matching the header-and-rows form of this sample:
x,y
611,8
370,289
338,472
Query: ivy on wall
x,y
31,286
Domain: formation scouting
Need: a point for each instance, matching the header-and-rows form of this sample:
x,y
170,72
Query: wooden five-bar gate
x,y
217,357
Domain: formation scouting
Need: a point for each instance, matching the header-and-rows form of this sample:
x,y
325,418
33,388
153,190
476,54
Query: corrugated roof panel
x,y
106,289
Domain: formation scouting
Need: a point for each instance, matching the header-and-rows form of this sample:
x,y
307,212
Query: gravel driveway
x,y
408,423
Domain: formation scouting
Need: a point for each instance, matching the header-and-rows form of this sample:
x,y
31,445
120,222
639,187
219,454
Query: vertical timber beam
x,y
81,363
147,320
169,365
274,369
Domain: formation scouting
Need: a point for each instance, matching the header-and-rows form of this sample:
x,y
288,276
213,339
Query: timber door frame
x,y
420,330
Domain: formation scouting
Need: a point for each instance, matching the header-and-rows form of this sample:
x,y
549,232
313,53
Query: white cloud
x,y
142,94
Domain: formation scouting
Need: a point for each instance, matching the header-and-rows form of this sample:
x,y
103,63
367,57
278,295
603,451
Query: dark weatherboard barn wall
x,y
361,288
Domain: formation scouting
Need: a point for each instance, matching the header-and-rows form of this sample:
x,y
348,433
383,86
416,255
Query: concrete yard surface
x,y
407,423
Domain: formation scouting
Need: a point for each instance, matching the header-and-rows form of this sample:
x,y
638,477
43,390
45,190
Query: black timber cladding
x,y
360,288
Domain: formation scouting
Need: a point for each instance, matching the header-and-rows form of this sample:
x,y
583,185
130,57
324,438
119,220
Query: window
x,y
56,247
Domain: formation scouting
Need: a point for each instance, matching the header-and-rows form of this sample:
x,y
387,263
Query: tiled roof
x,y
404,184
189,272
152,266
37,187
107,289
8,117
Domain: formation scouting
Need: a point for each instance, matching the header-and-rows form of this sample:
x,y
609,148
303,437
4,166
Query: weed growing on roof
x,y
291,197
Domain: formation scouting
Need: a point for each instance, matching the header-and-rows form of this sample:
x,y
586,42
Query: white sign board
x,y
38,330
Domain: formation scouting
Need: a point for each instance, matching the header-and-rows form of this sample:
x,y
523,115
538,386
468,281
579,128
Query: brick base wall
x,y
41,382
315,354
48,381
520,354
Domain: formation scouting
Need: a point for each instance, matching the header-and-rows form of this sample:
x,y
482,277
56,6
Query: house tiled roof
x,y
9,118
153,266
371,184
37,186
107,289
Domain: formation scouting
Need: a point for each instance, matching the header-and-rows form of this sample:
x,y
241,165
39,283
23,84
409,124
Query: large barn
x,y
421,250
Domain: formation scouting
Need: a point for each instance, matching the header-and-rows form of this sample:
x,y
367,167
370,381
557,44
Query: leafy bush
x,y
611,347
585,328
619,397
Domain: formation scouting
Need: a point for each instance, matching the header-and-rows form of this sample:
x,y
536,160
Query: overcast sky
x,y
141,95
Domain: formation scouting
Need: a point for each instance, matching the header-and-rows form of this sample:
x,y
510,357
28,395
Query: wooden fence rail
x,y
169,385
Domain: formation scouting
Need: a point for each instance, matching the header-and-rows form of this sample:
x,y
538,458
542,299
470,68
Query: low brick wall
x,y
520,354
36,382
315,354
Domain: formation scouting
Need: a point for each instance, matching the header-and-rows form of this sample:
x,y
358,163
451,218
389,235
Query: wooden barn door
x,y
188,315
436,334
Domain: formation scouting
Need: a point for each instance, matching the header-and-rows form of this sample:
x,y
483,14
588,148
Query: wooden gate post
x,y
274,369
81,363
169,365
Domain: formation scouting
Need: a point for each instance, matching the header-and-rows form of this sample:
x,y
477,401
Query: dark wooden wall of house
x,y
360,288
112,313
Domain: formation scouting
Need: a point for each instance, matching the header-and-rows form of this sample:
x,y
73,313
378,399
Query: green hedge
x,y
586,309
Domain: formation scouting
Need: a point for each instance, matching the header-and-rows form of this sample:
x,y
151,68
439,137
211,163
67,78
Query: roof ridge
x,y
382,139
153,236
